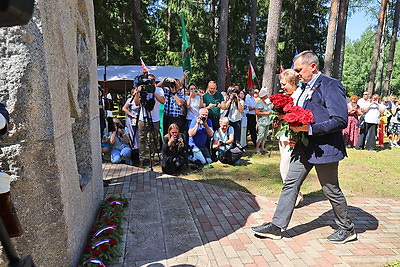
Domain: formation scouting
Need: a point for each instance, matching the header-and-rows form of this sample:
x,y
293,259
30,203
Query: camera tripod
x,y
151,136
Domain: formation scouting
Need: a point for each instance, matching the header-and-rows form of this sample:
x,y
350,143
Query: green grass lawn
x,y
362,173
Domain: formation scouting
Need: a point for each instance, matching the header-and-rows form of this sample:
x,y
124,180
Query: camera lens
x,y
196,91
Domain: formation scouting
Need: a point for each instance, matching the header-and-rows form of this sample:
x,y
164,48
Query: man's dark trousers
x,y
328,177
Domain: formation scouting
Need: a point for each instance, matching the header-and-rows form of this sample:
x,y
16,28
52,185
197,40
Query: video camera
x,y
15,12
146,83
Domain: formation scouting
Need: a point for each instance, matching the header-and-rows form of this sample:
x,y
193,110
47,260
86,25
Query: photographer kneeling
x,y
119,142
224,140
200,129
173,151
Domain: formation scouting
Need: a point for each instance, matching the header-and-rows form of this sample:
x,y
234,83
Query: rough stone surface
x,y
48,81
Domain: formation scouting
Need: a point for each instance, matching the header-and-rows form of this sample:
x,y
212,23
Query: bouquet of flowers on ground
x,y
290,115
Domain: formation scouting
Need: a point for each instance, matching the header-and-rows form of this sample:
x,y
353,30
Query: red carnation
x,y
87,250
104,247
112,242
96,252
110,223
108,232
110,199
106,219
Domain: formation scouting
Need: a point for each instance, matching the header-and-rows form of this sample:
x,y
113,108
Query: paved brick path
x,y
177,222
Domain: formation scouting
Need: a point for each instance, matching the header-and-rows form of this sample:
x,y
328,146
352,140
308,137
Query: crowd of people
x,y
211,122
370,119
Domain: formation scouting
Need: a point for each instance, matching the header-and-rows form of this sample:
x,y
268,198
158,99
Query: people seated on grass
x,y
200,129
173,156
119,143
263,112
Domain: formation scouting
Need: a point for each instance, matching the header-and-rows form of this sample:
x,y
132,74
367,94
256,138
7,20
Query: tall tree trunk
x,y
375,55
340,40
222,44
212,36
330,38
271,45
169,28
136,30
253,31
392,49
381,60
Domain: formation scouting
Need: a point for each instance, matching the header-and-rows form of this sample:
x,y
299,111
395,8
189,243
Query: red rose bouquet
x,y
295,116
279,101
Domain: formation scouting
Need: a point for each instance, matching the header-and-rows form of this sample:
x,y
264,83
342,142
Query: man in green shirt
x,y
214,102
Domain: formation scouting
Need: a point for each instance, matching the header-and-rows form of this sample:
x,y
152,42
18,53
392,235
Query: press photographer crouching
x,y
224,143
200,129
119,142
148,97
173,151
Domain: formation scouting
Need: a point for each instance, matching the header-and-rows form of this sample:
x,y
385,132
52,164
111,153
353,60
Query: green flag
x,y
185,48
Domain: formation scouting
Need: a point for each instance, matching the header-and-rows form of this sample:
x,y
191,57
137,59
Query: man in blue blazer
x,y
326,98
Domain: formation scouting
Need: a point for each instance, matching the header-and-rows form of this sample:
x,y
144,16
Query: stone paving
x,y
172,221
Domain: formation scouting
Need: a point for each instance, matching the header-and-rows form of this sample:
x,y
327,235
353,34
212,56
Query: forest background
x,y
235,30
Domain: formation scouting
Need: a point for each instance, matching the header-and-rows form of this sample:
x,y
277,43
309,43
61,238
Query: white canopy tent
x,y
120,79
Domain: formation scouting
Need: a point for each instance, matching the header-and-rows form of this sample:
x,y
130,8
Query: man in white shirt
x,y
364,101
149,118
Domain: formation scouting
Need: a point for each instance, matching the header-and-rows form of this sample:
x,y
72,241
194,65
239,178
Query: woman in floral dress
x,y
350,134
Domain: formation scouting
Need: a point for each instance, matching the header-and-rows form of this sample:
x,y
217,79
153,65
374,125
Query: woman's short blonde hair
x,y
290,76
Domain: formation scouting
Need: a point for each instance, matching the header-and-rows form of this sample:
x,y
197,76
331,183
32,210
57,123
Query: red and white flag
x,y
281,69
144,68
251,75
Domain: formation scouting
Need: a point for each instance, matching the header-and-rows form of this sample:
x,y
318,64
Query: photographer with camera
x,y
223,138
174,100
173,151
149,97
119,143
200,129
234,112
